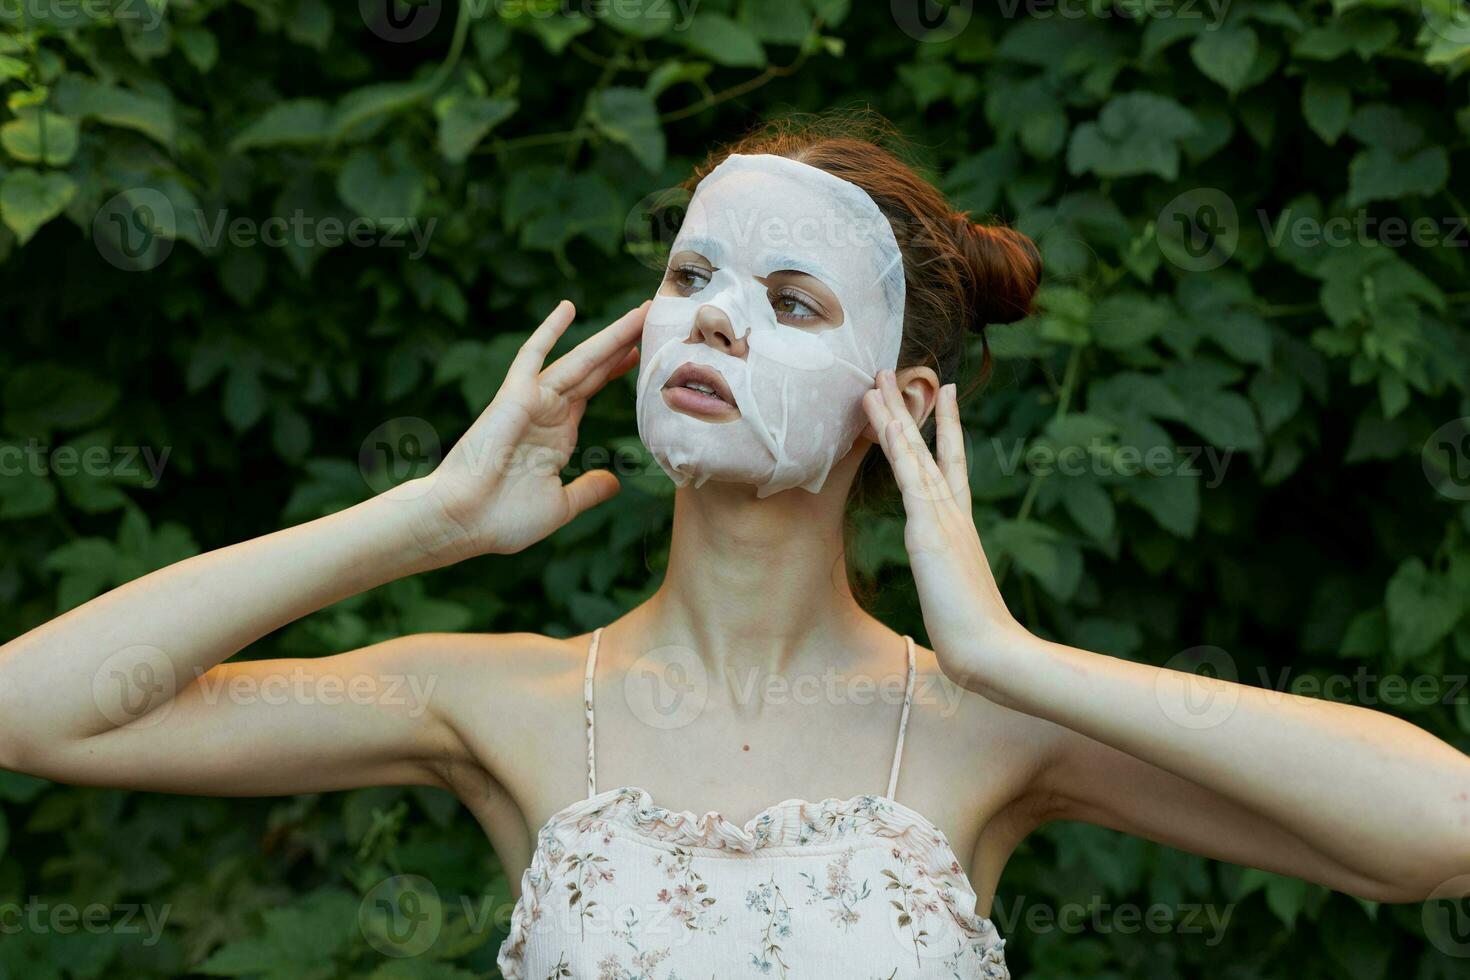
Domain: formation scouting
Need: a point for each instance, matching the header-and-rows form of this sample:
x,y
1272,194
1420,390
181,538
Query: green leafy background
x,y
531,139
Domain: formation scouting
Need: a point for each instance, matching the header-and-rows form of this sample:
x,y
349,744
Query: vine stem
x,y
583,125
618,61
750,84
1064,403
456,46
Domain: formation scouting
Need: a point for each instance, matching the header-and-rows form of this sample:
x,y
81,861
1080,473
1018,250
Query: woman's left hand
x,y
963,609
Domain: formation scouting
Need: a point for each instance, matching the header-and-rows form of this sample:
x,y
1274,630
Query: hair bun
x,y
1004,268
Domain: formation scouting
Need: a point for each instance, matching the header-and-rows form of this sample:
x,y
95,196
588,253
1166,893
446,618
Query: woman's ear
x,y
920,388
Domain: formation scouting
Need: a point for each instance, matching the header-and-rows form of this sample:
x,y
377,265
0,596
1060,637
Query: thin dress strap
x,y
903,721
591,721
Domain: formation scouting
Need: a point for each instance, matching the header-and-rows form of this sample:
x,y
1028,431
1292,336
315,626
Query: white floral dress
x,y
620,888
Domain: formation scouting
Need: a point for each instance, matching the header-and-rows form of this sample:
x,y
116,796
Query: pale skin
x,y
1008,731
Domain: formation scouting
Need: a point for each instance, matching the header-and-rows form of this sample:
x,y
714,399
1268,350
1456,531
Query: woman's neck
x,y
757,582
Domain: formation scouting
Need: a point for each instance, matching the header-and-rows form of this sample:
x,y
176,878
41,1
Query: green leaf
x,y
1326,106
11,67
200,46
1137,133
385,187
1386,126
1285,897
296,122
17,787
1225,55
644,21
1220,416
672,73
1379,174
363,111
1128,320
1172,499
1353,942
1277,396
723,41
776,21
1090,505
38,136
628,116
44,397
29,199
89,100
465,120
1041,552
25,490
1423,609
310,23
300,940
556,32
244,398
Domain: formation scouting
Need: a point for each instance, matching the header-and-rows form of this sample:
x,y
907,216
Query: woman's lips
x,y
696,390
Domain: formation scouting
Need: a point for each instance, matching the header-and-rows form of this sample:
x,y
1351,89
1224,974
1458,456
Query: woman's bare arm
x,y
128,690
1333,792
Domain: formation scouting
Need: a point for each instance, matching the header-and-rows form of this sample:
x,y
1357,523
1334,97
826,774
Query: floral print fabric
x,y
862,889
620,888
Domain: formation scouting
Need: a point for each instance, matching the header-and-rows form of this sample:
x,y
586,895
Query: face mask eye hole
x,y
687,274
794,304
691,278
793,307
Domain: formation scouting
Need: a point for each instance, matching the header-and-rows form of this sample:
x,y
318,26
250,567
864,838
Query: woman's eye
x,y
689,278
793,305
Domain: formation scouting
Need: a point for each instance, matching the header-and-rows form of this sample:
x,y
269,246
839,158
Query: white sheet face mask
x,y
796,379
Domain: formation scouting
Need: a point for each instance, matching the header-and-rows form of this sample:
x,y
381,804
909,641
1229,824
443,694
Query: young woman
x,y
817,300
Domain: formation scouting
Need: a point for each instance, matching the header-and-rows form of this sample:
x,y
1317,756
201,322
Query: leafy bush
x,y
1253,323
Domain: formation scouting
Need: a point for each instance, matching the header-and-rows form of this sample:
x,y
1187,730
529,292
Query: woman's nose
x,y
713,327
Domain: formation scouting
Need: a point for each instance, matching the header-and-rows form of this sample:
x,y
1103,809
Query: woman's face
x,y
782,300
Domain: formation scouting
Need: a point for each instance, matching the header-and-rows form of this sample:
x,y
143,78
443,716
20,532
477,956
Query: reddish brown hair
x,y
960,275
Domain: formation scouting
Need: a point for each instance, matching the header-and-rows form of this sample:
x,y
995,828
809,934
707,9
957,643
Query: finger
x,y
620,362
589,490
912,438
532,355
630,361
949,438
571,368
891,439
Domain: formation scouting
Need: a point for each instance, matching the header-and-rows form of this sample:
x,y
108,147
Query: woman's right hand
x,y
499,489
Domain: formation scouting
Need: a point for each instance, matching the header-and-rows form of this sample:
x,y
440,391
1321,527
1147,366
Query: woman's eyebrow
x,y
796,263
709,248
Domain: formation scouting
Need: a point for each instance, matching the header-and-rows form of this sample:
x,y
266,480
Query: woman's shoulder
x,y
946,708
530,659
508,679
